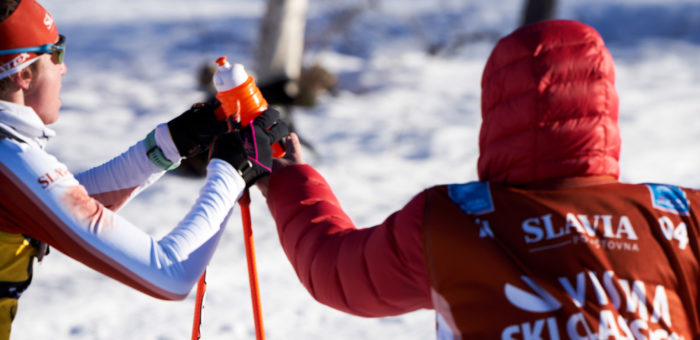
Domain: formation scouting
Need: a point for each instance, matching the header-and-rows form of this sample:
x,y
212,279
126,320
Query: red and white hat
x,y
28,26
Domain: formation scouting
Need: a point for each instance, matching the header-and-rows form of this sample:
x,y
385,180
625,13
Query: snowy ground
x,y
403,119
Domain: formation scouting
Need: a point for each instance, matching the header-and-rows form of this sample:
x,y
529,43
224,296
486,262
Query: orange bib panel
x,y
611,261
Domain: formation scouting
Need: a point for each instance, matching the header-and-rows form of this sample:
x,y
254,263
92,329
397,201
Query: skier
x,y
43,203
548,244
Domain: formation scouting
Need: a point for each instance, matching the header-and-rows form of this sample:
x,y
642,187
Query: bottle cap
x,y
227,77
221,61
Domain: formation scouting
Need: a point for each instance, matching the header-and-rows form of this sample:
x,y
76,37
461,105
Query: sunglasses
x,y
57,50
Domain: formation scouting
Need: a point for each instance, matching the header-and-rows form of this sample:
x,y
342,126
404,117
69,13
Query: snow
x,y
402,120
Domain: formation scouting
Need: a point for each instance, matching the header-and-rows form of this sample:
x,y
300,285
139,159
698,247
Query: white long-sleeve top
x,y
41,198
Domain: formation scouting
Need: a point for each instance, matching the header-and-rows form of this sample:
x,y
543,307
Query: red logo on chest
x,y
52,176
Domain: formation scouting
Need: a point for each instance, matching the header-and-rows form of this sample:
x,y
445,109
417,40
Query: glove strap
x,y
247,171
155,154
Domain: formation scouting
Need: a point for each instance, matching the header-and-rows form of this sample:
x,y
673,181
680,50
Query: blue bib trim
x,y
473,198
669,198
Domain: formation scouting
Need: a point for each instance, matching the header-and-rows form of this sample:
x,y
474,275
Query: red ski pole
x,y
198,306
241,99
244,202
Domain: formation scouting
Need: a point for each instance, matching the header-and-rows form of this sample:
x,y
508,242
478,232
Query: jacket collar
x,y
23,123
571,182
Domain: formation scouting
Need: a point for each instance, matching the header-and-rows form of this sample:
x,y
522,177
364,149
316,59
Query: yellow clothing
x,y
16,258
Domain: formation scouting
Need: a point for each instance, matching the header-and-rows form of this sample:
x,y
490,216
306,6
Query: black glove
x,y
194,130
248,150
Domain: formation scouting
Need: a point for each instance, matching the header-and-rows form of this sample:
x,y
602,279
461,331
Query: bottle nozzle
x,y
221,61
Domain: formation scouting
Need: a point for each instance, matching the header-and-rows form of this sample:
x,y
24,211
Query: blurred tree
x,y
538,10
280,49
280,74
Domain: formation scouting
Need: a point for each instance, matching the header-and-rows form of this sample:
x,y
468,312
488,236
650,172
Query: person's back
x,y
550,244
546,245
579,258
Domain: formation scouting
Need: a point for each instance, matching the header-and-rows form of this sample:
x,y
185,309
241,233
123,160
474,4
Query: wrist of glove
x,y
194,130
248,149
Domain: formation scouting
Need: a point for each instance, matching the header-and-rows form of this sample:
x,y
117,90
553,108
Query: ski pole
x,y
198,306
242,100
244,202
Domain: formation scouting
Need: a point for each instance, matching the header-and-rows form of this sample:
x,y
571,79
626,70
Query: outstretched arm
x,y
377,271
60,212
41,198
125,176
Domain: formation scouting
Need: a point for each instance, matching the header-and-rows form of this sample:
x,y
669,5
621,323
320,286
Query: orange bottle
x,y
240,97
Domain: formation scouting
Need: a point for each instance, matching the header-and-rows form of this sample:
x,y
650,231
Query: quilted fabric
x,y
549,106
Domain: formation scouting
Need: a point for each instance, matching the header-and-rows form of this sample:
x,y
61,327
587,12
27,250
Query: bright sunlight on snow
x,y
403,119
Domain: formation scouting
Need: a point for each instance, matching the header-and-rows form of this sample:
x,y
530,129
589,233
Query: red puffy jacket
x,y
549,111
549,106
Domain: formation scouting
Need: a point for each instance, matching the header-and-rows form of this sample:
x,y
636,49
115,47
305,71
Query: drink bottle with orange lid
x,y
240,97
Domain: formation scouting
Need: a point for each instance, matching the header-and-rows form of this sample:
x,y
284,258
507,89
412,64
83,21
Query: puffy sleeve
x,y
373,272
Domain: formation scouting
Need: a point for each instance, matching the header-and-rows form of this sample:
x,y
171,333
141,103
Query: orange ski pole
x,y
198,306
241,99
244,202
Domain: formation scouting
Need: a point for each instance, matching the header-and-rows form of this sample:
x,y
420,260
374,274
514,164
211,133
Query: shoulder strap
x,y
6,134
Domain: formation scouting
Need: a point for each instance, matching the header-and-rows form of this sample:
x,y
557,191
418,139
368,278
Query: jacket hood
x,y
549,106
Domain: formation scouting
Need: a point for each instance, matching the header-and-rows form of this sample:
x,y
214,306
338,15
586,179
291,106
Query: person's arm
x,y
376,271
41,198
117,181
120,179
